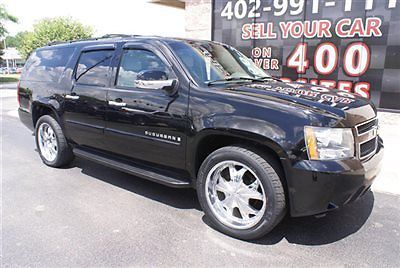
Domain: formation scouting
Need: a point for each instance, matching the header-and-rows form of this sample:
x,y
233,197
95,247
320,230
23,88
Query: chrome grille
x,y
367,138
365,127
367,148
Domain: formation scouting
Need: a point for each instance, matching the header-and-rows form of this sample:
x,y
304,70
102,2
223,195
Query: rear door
x,y
85,105
146,123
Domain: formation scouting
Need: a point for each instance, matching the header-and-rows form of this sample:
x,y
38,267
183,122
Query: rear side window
x,y
47,64
93,67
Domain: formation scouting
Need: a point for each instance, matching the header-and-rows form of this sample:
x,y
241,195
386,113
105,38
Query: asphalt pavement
x,y
90,215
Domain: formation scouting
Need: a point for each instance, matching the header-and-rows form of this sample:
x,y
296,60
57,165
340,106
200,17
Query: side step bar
x,y
132,168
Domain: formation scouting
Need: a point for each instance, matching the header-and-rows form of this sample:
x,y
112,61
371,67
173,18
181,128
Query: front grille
x,y
365,127
367,148
367,139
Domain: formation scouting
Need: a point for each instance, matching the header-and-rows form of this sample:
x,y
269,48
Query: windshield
x,y
208,62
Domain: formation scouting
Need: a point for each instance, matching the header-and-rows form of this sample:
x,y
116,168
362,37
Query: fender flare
x,y
50,104
194,146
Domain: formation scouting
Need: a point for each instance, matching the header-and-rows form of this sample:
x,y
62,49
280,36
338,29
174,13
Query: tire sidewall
x,y
267,221
51,122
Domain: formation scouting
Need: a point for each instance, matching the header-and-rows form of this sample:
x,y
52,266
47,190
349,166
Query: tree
x,y
15,41
52,30
11,41
5,17
1,51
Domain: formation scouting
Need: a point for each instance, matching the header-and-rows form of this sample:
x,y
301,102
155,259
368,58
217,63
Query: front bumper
x,y
316,187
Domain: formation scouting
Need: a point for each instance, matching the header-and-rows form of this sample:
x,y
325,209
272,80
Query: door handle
x,y
116,103
72,97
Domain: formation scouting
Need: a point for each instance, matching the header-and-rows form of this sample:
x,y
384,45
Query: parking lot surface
x,y
90,215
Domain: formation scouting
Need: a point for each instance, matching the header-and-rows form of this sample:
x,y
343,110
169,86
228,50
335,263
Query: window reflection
x,y
208,61
47,64
93,67
135,61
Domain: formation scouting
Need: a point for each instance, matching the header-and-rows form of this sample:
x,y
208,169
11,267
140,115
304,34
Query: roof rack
x,y
119,35
106,36
55,43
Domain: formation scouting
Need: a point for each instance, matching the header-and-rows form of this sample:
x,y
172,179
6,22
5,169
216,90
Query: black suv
x,y
189,113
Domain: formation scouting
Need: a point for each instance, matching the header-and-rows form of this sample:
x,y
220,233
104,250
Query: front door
x,y
85,105
144,122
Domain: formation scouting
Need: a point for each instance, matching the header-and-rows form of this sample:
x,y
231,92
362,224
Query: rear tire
x,y
241,192
51,143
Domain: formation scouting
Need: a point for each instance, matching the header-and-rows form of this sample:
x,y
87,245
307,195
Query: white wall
x,y
198,19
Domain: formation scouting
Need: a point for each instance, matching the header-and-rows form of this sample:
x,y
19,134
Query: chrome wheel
x,y
235,195
47,142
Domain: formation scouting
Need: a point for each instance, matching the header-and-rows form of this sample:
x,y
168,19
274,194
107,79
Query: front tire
x,y
241,192
51,143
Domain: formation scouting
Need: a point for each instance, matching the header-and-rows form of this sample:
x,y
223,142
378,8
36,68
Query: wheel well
x,y
214,142
211,143
40,110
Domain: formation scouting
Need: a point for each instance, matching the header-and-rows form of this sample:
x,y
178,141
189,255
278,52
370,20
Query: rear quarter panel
x,y
47,84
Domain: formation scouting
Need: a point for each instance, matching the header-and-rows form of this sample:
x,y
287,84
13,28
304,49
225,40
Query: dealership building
x,y
352,45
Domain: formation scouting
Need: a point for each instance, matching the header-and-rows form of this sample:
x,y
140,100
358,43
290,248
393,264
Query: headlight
x,y
329,143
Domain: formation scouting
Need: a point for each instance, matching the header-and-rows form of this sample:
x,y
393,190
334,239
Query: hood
x,y
342,104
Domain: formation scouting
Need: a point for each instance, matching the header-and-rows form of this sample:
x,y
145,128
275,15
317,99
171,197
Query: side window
x,y
47,64
93,67
139,64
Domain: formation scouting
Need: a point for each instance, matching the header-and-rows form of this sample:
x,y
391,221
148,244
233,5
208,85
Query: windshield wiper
x,y
230,79
243,78
264,78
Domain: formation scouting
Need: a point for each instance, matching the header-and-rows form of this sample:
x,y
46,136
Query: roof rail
x,y
55,43
71,41
91,39
118,35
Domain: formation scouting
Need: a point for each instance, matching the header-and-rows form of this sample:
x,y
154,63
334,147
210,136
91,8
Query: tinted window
x,y
47,64
208,61
138,62
93,67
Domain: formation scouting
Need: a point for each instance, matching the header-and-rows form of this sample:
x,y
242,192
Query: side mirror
x,y
150,75
156,84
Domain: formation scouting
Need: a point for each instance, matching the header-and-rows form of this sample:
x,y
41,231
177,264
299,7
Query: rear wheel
x,y
241,192
51,142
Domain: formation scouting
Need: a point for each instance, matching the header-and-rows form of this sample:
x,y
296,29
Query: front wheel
x,y
51,142
241,192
